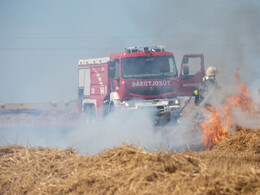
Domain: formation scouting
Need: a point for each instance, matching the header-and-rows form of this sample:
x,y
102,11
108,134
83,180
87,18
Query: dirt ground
x,y
37,114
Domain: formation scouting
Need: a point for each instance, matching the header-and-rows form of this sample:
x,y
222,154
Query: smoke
x,y
118,127
186,135
227,33
245,119
130,127
42,61
36,46
255,92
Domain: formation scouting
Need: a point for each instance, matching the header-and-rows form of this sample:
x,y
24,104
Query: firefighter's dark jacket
x,y
204,88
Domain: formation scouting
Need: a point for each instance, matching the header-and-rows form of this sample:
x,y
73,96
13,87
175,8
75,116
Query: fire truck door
x,y
191,73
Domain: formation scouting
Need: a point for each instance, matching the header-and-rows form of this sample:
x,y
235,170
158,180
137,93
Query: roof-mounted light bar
x,y
138,49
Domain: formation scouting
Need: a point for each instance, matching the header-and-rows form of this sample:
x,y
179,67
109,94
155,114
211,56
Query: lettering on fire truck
x,y
150,83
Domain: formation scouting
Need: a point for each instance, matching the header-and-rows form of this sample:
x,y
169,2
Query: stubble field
x,y
231,167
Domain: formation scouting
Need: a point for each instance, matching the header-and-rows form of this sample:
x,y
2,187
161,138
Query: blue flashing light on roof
x,y
132,49
139,49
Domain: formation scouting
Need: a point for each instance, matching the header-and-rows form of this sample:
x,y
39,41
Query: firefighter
x,y
207,86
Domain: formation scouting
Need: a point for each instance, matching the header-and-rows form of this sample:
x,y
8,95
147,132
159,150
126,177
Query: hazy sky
x,y
42,40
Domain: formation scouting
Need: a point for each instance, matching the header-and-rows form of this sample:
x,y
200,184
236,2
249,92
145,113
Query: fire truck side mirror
x,y
186,70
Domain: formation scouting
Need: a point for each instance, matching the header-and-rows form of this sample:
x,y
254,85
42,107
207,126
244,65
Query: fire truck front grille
x,y
154,91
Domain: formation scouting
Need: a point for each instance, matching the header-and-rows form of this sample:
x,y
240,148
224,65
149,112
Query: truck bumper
x,y
159,108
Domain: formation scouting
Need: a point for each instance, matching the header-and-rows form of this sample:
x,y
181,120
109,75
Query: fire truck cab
x,y
139,78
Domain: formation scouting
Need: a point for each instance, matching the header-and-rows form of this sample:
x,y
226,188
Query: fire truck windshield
x,y
148,67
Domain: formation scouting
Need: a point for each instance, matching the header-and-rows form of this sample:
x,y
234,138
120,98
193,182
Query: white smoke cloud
x,y
136,128
255,91
111,131
226,32
133,128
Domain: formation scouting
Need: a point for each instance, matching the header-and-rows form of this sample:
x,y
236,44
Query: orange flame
x,y
212,127
240,101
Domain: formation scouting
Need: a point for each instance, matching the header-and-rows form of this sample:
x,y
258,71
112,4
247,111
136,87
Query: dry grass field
x,y
231,167
37,114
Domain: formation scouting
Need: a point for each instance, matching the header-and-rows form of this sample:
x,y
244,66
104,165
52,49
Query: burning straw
x,y
216,123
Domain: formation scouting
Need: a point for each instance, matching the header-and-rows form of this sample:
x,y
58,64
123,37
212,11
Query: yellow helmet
x,y
211,71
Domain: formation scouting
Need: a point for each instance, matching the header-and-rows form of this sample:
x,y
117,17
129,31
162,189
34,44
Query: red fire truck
x,y
139,78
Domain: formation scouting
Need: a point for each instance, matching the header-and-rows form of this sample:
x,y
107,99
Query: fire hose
x,y
197,109
185,105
